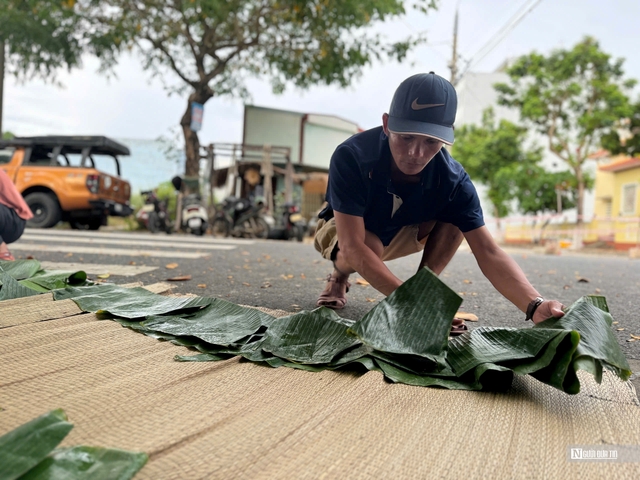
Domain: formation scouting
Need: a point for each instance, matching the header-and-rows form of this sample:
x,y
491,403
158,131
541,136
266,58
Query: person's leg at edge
x,y
442,242
334,293
11,229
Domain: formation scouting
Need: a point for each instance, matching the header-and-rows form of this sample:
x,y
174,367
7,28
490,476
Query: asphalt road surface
x,y
288,275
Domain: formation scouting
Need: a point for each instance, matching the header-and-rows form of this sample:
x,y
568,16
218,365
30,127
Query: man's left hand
x,y
547,309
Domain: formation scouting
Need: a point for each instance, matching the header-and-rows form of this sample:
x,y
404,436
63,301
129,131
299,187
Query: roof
x,y
602,153
72,143
320,118
624,163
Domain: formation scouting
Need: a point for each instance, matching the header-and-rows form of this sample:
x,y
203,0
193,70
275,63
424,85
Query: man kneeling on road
x,y
394,191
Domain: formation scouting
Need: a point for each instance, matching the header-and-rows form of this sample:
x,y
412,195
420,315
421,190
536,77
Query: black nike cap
x,y
424,104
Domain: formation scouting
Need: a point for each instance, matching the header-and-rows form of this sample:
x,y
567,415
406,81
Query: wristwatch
x,y
531,308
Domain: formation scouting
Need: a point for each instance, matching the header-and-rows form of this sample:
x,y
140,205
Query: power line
x,y
493,42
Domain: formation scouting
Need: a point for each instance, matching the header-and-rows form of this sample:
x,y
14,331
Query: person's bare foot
x,y
5,254
334,293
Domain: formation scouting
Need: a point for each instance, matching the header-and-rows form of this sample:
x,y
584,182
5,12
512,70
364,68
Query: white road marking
x,y
98,269
99,240
161,237
32,247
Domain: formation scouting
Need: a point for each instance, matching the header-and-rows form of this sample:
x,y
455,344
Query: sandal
x,y
458,327
333,296
7,256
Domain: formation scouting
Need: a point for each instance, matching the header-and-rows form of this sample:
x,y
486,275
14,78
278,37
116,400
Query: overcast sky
x,y
132,106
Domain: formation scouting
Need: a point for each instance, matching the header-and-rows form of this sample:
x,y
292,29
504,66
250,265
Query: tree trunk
x,y
580,201
191,141
577,241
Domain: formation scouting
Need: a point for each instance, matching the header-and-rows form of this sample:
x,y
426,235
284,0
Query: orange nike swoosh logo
x,y
417,106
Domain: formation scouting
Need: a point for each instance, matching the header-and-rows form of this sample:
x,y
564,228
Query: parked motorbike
x,y
239,217
153,214
291,224
194,217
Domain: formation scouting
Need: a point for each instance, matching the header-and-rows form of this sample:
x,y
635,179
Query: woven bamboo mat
x,y
42,307
235,419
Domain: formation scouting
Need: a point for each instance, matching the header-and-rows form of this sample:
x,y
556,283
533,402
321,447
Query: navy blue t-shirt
x,y
360,185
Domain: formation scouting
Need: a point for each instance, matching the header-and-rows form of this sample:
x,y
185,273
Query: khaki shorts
x,y
403,244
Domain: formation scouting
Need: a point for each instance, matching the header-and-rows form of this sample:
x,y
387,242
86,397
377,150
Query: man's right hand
x,y
548,309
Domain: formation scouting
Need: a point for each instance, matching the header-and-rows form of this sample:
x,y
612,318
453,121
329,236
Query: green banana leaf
x,y
127,302
27,453
487,376
405,336
496,345
29,444
308,337
220,323
202,357
415,319
90,463
53,279
20,269
33,286
599,347
11,289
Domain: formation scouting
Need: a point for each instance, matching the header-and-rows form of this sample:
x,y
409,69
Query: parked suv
x,y
59,179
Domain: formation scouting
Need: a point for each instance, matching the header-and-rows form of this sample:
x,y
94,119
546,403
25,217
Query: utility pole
x,y
2,47
453,66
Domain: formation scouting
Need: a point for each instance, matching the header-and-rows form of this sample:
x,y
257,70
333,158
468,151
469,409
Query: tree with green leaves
x,y
39,37
214,45
572,97
624,137
494,153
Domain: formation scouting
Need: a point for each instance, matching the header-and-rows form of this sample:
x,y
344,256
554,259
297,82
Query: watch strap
x,y
531,308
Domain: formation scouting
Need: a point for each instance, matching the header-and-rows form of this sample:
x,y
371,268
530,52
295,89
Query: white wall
x,y
267,126
318,135
321,139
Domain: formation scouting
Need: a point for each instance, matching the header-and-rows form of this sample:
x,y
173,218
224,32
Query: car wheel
x,y
45,208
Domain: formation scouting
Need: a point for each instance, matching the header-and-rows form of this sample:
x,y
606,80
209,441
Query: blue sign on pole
x,y
197,111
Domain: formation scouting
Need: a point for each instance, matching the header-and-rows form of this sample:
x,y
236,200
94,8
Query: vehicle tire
x,y
45,208
299,233
77,225
261,228
94,223
153,223
220,228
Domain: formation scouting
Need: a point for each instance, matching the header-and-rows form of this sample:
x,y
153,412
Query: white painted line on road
x,y
32,247
98,269
98,239
207,239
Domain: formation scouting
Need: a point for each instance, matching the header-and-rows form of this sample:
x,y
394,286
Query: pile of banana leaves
x,y
29,453
405,336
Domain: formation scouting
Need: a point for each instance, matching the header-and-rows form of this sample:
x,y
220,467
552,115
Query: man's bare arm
x,y
361,257
506,276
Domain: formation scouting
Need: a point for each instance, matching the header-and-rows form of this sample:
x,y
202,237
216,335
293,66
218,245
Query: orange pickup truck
x,y
58,179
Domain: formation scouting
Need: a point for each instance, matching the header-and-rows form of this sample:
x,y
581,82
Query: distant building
x,y
617,202
284,155
311,137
